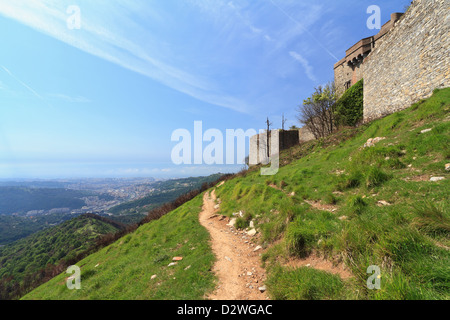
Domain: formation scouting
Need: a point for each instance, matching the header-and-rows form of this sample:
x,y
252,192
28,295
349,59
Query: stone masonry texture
x,y
409,62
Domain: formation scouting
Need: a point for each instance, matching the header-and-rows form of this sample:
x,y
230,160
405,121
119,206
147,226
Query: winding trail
x,y
238,265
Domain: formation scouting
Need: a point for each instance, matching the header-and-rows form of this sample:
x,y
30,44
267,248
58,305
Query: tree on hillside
x,y
317,111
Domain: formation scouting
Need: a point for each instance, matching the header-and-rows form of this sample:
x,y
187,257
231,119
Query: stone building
x,y
403,63
410,61
348,70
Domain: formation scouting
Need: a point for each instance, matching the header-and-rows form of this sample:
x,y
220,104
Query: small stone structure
x,y
284,139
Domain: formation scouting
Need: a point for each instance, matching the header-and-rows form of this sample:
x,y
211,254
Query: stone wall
x,y
410,61
305,135
349,70
258,144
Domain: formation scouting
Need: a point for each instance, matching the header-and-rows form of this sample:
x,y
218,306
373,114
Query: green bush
x,y
350,107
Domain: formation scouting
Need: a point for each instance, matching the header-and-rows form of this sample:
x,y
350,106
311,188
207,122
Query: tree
x,y
317,111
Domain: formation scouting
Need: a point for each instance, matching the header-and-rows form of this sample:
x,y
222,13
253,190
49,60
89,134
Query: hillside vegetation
x,y
333,198
21,199
23,262
124,269
13,228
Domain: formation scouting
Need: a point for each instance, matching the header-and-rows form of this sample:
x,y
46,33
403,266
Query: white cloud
x,y
114,44
306,65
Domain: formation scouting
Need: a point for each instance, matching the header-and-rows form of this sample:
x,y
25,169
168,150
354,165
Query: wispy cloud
x,y
306,65
22,83
26,86
112,44
222,52
304,28
67,98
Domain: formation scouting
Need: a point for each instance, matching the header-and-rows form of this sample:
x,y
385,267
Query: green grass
x,y
124,269
408,239
305,284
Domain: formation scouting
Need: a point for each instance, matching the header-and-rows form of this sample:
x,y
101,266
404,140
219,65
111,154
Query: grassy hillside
x,y
22,261
332,198
382,209
124,269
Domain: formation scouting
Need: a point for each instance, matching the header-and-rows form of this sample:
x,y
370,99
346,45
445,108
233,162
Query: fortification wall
x,y
410,61
258,144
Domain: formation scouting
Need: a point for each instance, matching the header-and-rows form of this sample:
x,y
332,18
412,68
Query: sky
x,y
97,88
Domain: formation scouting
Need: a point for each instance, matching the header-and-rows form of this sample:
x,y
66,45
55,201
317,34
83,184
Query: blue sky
x,y
103,100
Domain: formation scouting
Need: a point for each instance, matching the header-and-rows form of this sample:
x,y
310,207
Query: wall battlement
x,y
348,71
411,60
403,63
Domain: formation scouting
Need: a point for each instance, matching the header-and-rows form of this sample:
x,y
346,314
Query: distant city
x,y
111,192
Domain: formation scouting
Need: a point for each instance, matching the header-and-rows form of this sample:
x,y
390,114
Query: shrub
x,y
349,108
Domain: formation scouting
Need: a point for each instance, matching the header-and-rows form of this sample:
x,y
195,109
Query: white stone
x,y
372,142
232,222
251,232
435,179
257,248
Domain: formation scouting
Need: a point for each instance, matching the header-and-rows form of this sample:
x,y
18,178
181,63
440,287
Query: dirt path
x,y
238,265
